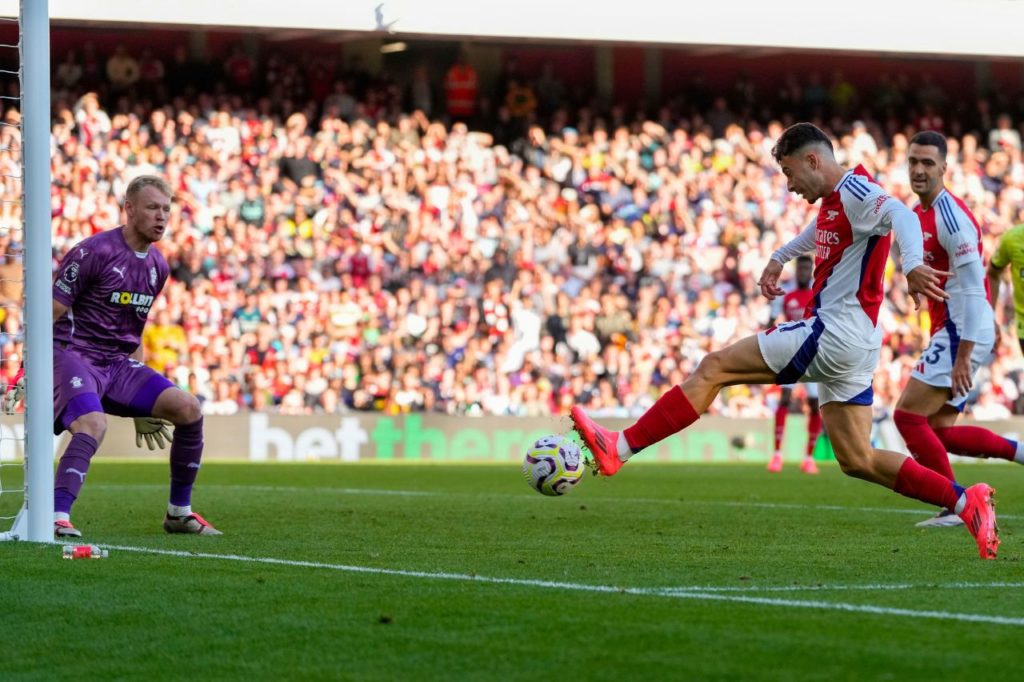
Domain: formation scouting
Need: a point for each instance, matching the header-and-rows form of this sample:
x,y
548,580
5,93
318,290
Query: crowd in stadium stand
x,y
340,243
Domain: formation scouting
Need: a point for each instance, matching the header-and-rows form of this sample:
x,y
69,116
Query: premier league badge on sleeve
x,y
71,273
152,276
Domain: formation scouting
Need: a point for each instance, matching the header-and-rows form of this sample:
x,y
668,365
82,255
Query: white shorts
x,y
810,389
935,366
805,351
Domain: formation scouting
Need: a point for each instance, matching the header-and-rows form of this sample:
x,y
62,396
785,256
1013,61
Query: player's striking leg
x,y
740,363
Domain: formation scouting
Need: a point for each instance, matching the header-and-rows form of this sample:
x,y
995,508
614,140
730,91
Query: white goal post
x,y
35,520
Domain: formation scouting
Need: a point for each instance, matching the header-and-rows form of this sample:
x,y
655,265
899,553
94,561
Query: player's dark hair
x,y
798,136
804,259
930,138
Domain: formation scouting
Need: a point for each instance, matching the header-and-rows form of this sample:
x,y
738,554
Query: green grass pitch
x,y
433,572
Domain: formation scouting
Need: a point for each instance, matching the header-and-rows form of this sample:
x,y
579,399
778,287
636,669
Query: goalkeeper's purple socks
x,y
186,452
71,470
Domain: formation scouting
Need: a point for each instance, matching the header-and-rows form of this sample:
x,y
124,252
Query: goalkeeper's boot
x,y
979,515
191,523
64,529
601,442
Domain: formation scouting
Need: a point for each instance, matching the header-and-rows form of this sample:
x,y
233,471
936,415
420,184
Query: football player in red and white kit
x,y
962,328
794,307
838,345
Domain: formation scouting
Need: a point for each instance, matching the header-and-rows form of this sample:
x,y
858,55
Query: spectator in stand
x,y
421,91
122,69
92,67
1004,138
68,73
549,89
461,87
240,69
520,100
165,342
92,122
151,72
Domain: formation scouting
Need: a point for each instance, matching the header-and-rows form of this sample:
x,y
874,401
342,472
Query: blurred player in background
x,y
1010,252
794,306
962,327
838,345
102,294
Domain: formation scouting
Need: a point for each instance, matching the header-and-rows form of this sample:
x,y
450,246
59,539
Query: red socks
x,y
923,443
975,441
813,428
780,425
670,414
813,431
913,480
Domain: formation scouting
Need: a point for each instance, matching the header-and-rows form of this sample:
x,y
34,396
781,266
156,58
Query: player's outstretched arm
x,y
922,280
769,281
926,281
798,246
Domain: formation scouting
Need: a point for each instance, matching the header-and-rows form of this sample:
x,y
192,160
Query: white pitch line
x,y
672,593
624,500
876,587
280,488
857,608
829,507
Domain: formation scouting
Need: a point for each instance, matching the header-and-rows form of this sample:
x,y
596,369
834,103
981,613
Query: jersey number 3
x,y
933,357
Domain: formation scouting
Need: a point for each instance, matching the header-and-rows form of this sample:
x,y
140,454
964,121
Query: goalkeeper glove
x,y
155,432
15,392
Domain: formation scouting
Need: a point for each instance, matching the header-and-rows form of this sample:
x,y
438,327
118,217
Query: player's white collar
x,y
935,200
842,180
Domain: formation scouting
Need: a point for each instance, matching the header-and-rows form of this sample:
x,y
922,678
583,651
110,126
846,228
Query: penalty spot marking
x,y
695,593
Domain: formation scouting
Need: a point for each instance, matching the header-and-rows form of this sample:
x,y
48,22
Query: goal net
x,y
26,428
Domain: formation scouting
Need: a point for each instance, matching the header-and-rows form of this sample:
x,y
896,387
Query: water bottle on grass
x,y
84,552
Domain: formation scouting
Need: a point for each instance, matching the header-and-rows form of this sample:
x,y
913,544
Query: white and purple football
x,y
553,465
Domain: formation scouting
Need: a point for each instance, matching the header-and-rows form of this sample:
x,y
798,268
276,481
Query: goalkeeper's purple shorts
x,y
121,387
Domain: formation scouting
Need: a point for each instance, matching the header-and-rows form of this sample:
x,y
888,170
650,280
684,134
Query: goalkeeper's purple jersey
x,y
109,289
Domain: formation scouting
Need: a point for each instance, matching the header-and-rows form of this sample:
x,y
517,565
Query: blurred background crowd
x,y
342,242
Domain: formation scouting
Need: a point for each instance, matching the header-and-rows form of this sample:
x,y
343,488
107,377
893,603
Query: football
x,y
553,465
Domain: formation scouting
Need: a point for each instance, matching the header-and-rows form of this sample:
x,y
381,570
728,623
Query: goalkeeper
x,y
102,294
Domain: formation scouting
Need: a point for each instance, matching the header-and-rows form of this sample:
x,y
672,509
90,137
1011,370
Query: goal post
x,y
35,521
